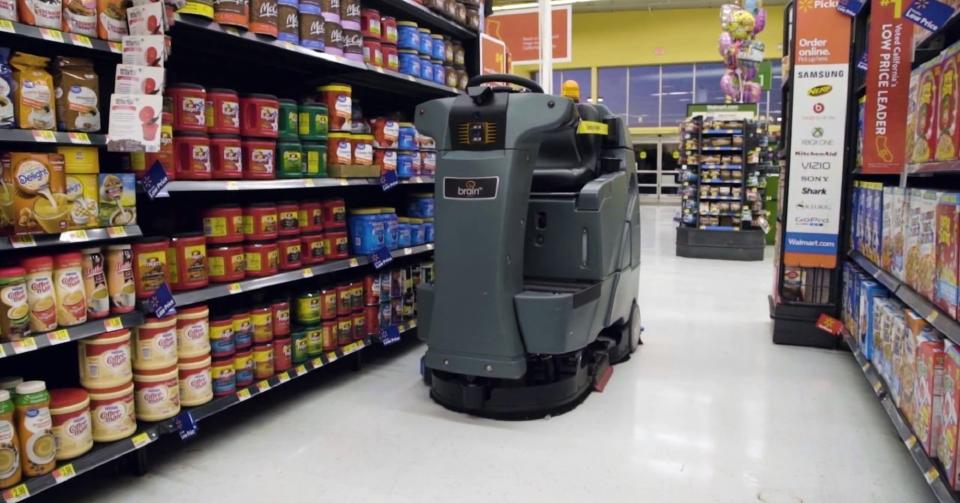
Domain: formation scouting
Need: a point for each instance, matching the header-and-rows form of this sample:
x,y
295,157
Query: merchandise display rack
x,y
84,236
177,186
74,333
150,432
722,233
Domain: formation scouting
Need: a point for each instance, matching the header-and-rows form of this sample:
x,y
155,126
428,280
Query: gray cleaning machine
x,y
538,250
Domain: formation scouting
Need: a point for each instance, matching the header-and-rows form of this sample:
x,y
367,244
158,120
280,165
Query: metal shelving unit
x,y
75,333
85,236
10,30
295,183
51,137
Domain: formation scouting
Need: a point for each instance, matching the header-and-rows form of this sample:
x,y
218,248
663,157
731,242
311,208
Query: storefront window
x,y
612,89
643,96
676,91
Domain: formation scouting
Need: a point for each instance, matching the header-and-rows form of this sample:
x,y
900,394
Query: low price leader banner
x,y
820,80
888,83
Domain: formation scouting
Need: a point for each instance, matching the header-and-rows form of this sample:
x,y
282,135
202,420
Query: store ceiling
x,y
614,5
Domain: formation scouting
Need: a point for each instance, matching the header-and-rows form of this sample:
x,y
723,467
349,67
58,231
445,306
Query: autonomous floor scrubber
x,y
538,250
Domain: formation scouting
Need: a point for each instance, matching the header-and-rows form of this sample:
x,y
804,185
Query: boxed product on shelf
x,y
950,414
948,105
77,95
869,290
894,218
925,276
928,391
945,294
118,199
915,328
925,112
40,204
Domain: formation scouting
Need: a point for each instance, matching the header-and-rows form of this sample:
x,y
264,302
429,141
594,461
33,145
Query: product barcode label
x,y
58,337
64,473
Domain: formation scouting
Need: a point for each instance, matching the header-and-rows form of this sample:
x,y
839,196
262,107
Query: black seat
x,y
567,160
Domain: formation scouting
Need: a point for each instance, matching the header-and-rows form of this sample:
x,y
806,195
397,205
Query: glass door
x,y
669,167
647,168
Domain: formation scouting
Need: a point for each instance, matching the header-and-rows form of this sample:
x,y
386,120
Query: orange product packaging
x,y
111,19
925,128
948,103
80,16
928,391
45,14
33,91
945,288
927,265
949,413
40,204
916,329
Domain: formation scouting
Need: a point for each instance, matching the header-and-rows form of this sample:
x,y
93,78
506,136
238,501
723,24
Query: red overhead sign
x,y
520,30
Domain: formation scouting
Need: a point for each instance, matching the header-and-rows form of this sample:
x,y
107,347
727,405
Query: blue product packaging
x,y
409,62
391,230
366,231
428,230
439,74
416,233
405,164
407,139
426,69
439,48
6,90
408,36
426,42
403,234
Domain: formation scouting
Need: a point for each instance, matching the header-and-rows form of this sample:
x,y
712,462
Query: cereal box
x,y
925,128
898,334
928,390
39,203
911,236
949,413
898,218
927,266
945,294
914,329
868,291
118,200
947,105
912,107
876,219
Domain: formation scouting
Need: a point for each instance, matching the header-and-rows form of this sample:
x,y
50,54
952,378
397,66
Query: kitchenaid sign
x,y
820,80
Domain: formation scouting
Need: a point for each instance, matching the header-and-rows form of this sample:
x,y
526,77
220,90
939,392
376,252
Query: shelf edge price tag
x,y
24,345
331,357
116,232
141,440
155,179
79,138
58,337
381,257
317,362
16,493
115,47
408,251
232,185
7,26
263,385
64,473
74,236
234,288
308,182
307,272
283,377
354,262
51,35
111,324
389,335
910,442
42,135
344,182
932,317
243,394
931,474
23,241
877,387
81,40
301,369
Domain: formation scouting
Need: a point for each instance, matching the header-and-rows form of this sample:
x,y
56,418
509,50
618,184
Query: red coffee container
x,y
339,148
259,159
149,265
328,303
189,104
259,115
260,222
388,30
280,310
391,60
344,300
165,155
261,259
226,157
372,54
329,335
282,354
385,159
385,131
370,23
334,214
359,326
311,249
290,253
222,111
187,261
339,245
371,315
371,289
311,216
288,219
223,224
225,263
191,158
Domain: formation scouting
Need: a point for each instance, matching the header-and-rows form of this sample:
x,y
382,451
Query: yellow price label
x,y
283,376
317,362
932,317
7,26
307,272
877,387
44,136
116,232
331,357
58,337
16,493
111,324
407,251
81,40
354,262
64,473
74,236
24,345
417,179
344,182
411,324
263,385
592,127
243,394
931,474
115,47
910,442
79,138
865,366
308,182
140,440
3,352
232,185
301,369
234,288
429,246
51,35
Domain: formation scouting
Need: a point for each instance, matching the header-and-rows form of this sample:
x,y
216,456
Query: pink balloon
x,y
724,42
748,72
751,92
730,84
759,21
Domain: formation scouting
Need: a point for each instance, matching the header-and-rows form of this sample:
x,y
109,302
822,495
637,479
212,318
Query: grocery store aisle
x,y
708,410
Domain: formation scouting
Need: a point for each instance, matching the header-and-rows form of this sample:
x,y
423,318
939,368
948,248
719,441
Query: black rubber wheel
x,y
635,327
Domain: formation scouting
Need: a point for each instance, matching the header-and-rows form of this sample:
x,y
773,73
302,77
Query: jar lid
x,y
408,51
27,387
336,87
10,382
406,124
37,262
122,389
260,96
403,220
193,310
91,250
308,8
221,90
371,40
407,23
424,30
184,85
437,36
338,135
365,211
65,397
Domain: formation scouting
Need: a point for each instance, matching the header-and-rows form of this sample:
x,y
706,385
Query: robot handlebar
x,y
503,77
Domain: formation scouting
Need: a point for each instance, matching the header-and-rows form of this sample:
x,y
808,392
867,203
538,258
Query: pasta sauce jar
x,y
223,224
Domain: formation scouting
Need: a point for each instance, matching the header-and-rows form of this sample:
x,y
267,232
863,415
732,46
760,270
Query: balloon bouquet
x,y
740,26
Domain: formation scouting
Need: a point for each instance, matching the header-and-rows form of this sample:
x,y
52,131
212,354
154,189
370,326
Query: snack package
x,y
42,13
6,90
928,390
925,128
82,195
927,265
80,16
146,19
32,92
949,413
39,202
78,95
111,19
945,290
144,50
135,79
118,199
948,103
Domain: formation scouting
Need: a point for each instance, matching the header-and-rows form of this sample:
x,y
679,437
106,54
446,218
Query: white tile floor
x,y
709,410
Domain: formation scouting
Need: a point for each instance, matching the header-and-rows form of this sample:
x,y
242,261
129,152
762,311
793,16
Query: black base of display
x,y
719,244
797,326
